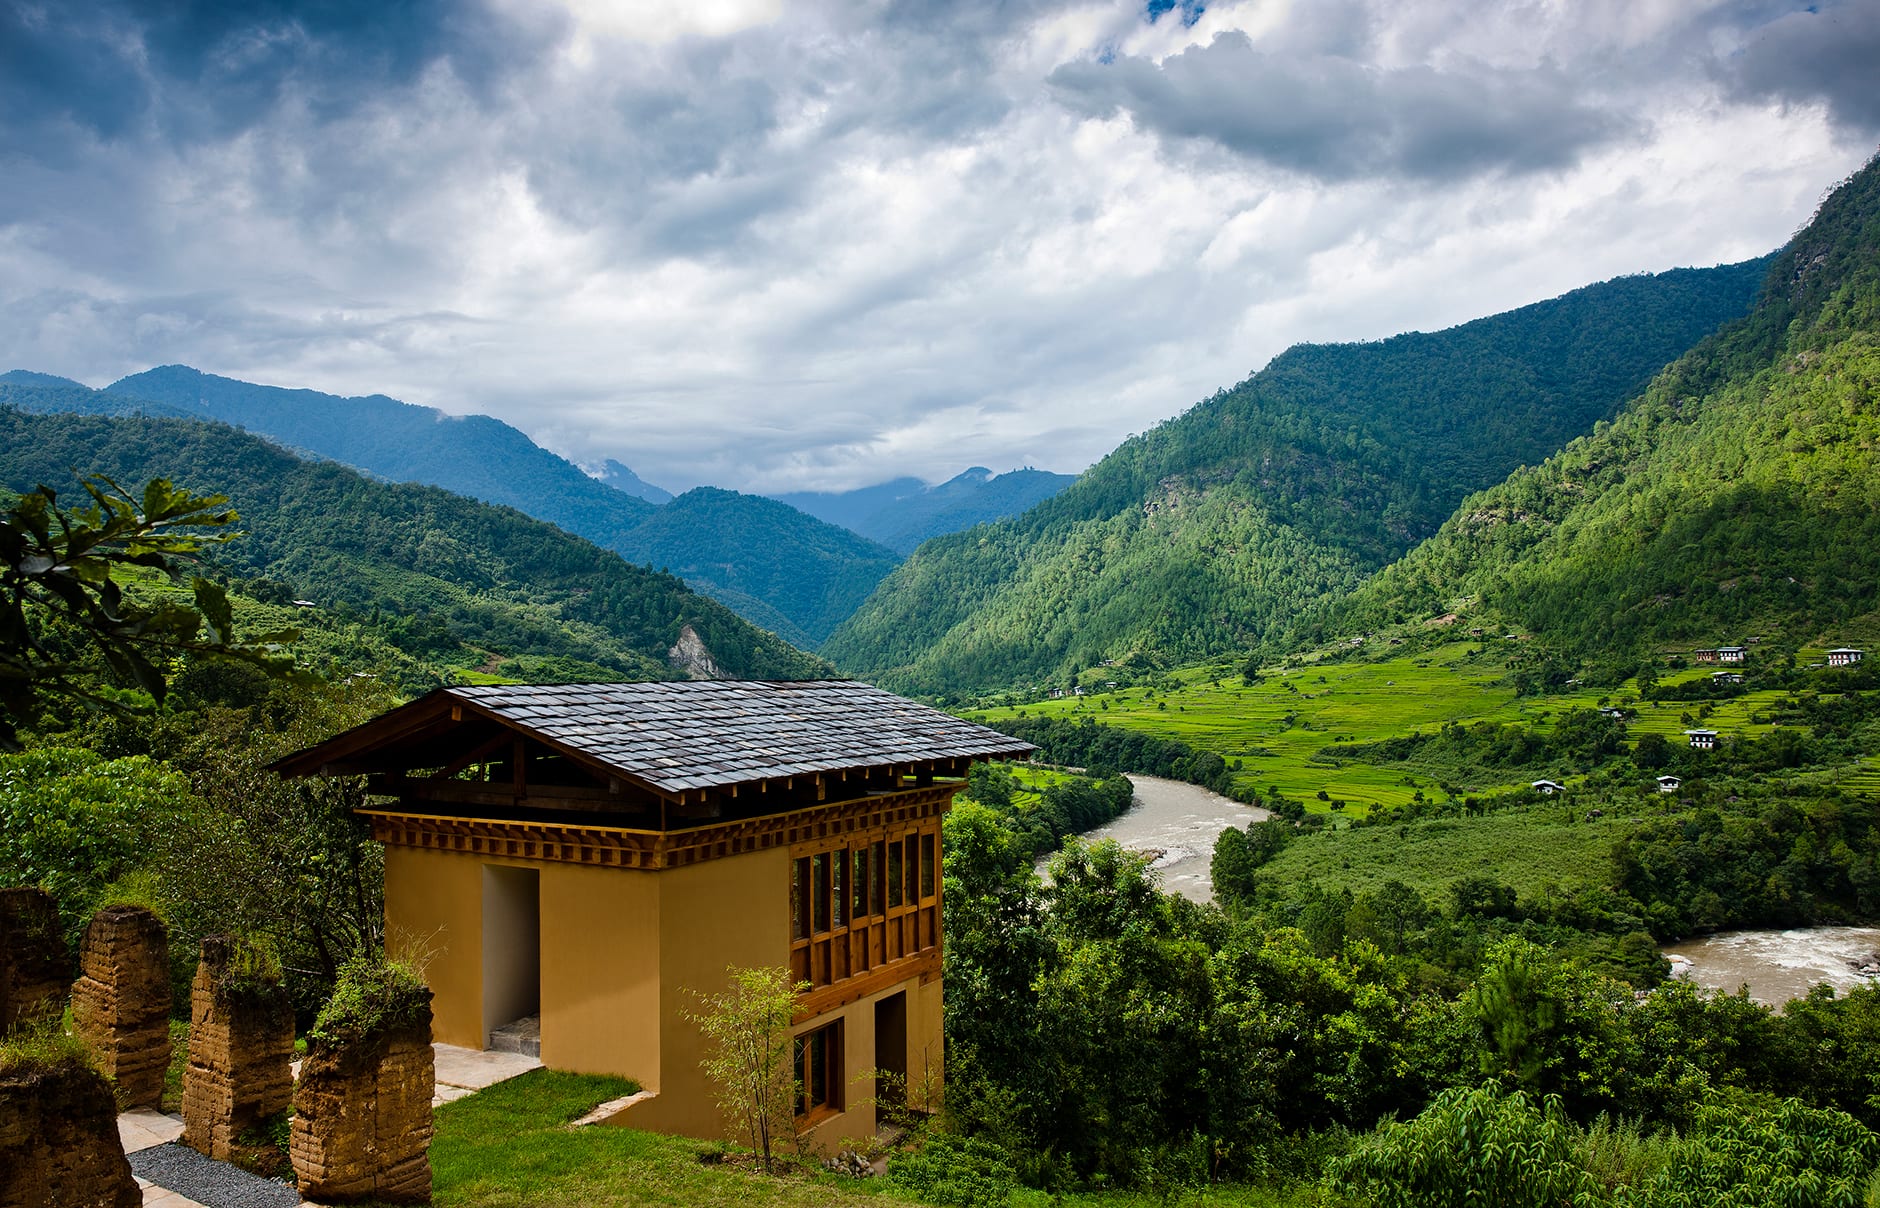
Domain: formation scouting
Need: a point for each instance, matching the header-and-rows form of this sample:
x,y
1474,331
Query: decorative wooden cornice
x,y
621,847
924,965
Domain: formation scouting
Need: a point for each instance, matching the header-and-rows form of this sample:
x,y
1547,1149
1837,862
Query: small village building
x,y
1704,656
1732,654
1612,713
1669,784
1548,788
1844,656
1702,740
1726,677
587,859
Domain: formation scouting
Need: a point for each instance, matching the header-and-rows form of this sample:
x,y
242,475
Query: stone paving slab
x,y
472,1070
158,1197
212,1184
145,1128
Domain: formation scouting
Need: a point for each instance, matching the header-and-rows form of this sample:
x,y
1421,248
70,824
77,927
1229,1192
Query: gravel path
x,y
213,1184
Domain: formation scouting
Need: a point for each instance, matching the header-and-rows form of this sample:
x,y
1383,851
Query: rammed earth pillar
x,y
58,1136
121,1000
241,1040
35,965
362,1110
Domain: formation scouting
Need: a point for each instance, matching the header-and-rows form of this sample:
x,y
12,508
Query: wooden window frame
x,y
830,1069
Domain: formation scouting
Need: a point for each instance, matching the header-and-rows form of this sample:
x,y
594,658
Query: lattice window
x,y
864,901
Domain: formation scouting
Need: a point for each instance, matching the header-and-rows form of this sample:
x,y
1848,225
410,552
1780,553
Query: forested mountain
x,y
1224,524
621,478
420,562
44,394
1739,497
904,512
776,567
773,565
472,455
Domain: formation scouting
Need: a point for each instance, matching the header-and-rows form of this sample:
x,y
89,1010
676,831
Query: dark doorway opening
x,y
891,1051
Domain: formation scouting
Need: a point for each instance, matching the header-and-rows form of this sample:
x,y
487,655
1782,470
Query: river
x,y
1181,821
1779,965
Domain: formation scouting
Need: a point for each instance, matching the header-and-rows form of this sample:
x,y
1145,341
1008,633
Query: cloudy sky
x,y
777,246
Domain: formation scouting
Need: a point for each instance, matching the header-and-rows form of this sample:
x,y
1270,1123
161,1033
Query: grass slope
x,y
510,1147
1221,526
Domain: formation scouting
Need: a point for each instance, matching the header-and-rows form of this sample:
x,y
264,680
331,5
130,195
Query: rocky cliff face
x,y
690,655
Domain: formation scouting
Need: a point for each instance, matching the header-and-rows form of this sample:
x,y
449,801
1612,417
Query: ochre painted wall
x,y
600,971
858,1044
434,906
716,914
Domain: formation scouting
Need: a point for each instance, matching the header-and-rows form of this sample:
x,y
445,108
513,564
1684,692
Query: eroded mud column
x,y
362,1111
35,966
121,1000
59,1140
241,1040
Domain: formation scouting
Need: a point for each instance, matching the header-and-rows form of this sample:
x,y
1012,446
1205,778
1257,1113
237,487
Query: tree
x,y
60,602
752,1057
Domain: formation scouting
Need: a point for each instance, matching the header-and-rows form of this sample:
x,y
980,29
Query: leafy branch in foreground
x,y
59,600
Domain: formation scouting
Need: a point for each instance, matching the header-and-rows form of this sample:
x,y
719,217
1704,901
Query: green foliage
x,y
957,1171
75,822
1221,526
1040,818
372,997
1470,1147
61,598
426,570
41,1048
1744,1156
1089,743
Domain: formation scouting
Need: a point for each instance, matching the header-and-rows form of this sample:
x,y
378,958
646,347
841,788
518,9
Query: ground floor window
x,y
819,1070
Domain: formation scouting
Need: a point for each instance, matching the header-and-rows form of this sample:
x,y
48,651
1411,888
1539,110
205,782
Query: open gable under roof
x,y
674,737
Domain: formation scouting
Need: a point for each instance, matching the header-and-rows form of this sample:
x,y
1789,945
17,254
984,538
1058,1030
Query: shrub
x,y
374,996
958,1172
1469,1148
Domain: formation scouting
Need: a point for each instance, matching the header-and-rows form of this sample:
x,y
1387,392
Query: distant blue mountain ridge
x,y
785,569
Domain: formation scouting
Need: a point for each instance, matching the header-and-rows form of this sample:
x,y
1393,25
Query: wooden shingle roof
x,y
680,736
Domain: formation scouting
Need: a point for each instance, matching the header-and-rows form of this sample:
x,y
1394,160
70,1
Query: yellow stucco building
x,y
588,858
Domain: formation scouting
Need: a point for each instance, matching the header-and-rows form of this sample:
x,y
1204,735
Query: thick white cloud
x,y
774,247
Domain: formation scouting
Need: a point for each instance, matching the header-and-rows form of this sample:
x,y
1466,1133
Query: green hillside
x,y
1736,500
433,570
773,565
1223,525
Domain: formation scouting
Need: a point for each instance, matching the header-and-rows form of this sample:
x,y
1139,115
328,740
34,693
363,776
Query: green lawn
x,y
1550,843
510,1147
